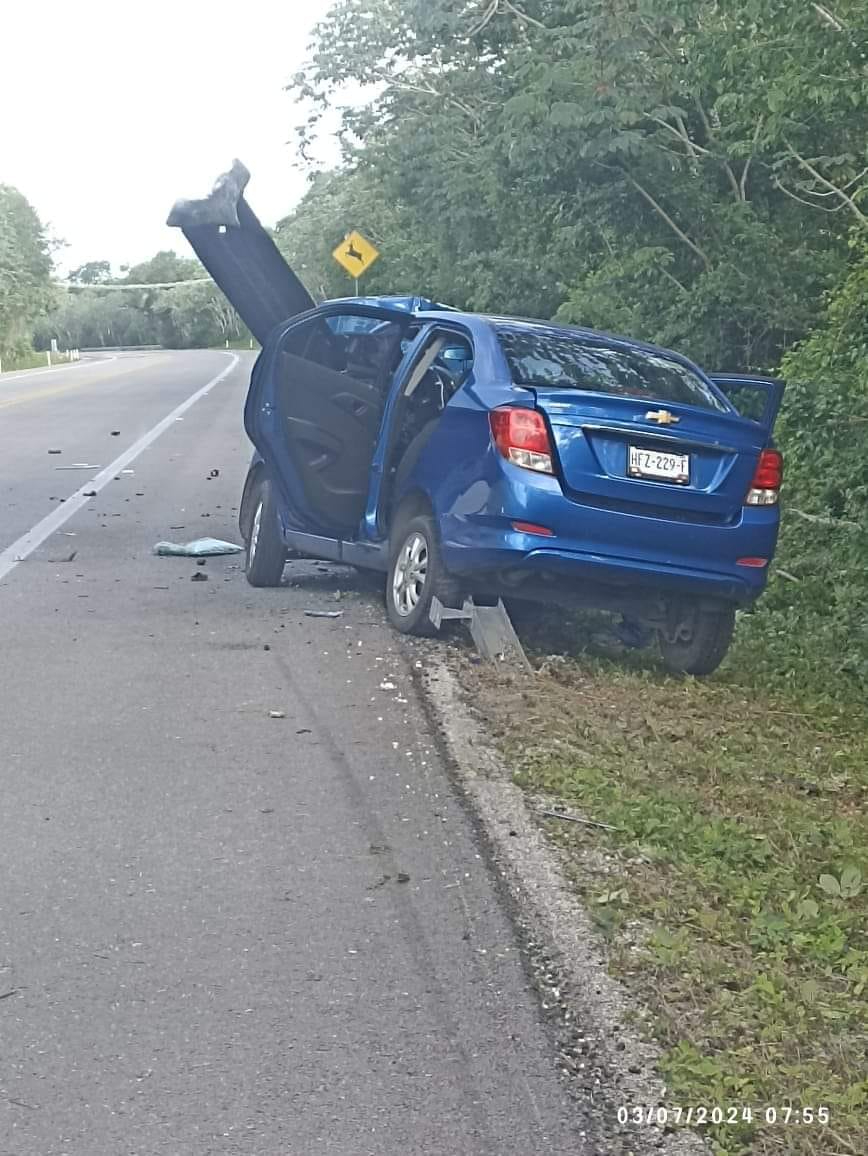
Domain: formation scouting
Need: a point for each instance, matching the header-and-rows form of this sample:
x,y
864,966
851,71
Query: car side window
x,y
359,345
442,367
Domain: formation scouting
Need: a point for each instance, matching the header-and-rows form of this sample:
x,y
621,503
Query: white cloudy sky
x,y
109,111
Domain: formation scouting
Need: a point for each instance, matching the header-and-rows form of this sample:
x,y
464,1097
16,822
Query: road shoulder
x,y
602,1055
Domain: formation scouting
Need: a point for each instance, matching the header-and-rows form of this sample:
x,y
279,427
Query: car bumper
x,y
611,548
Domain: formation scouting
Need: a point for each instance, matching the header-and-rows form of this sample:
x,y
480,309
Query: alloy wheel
x,y
410,575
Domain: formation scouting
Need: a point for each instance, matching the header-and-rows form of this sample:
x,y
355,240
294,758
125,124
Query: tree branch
x,y
681,133
827,18
733,183
823,520
493,10
842,196
661,212
801,200
523,15
671,277
742,184
487,17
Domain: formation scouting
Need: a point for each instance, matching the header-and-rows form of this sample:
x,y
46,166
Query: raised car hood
x,y
239,254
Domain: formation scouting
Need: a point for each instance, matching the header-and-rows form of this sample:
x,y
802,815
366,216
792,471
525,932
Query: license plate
x,y
658,465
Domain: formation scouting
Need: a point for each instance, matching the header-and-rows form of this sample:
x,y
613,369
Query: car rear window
x,y
565,361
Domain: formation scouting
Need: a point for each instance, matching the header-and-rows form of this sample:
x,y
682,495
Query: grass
x,y
738,904
31,361
240,343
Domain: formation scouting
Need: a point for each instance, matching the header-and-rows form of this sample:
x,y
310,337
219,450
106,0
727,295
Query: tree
x,y
25,271
688,170
92,273
165,266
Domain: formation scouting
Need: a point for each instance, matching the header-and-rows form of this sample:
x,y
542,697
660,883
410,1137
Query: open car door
x,y
315,409
756,398
240,255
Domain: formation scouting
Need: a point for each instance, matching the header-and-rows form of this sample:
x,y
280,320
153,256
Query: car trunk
x,y
239,254
615,452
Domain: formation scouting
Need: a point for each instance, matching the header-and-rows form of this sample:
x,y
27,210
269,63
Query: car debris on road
x,y
199,548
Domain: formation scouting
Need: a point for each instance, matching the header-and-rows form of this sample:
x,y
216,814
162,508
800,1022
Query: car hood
x,y
238,252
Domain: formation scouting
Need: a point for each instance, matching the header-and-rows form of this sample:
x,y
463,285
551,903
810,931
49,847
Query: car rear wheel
x,y
266,553
698,642
416,576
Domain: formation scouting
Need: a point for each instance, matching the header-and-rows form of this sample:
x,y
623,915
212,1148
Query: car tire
x,y
704,647
266,552
416,576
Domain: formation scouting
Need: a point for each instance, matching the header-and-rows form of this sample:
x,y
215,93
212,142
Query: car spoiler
x,y
231,243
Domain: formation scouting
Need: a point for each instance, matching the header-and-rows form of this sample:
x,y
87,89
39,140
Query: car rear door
x,y
316,407
240,255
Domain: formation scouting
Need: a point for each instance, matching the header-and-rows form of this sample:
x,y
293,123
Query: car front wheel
x,y
266,553
698,642
416,576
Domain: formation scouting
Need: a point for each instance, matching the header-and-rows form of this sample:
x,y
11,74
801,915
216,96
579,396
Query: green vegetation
x,y
35,360
735,893
660,169
97,311
25,274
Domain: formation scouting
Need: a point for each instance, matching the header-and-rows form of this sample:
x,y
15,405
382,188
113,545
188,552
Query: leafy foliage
x,y
97,311
25,271
689,173
811,630
163,267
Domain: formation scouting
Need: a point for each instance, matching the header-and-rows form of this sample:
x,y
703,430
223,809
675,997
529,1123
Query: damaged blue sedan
x,y
496,457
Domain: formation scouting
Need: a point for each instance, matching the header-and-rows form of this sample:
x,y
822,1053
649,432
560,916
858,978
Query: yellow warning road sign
x,y
356,254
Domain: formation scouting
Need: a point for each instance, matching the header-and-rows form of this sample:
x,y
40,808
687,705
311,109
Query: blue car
x,y
462,454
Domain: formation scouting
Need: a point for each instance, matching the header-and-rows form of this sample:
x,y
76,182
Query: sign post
x,y
356,254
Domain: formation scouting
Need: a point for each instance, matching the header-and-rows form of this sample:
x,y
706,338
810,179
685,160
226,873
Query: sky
x,y
111,111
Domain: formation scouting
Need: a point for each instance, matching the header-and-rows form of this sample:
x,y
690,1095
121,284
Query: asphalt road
x,y
223,932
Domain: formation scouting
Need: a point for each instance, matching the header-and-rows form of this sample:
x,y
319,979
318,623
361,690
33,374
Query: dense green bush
x,y
812,627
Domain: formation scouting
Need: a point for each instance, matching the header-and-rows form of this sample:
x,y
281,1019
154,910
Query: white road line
x,y
26,374
33,539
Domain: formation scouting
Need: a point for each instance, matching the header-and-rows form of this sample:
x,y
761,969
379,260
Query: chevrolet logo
x,y
662,417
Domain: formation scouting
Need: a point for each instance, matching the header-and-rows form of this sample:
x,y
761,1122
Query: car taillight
x,y
522,437
765,487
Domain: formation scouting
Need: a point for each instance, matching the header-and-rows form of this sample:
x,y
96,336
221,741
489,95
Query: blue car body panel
x,y
601,527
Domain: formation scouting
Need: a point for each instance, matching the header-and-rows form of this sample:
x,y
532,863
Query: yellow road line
x,y
37,395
